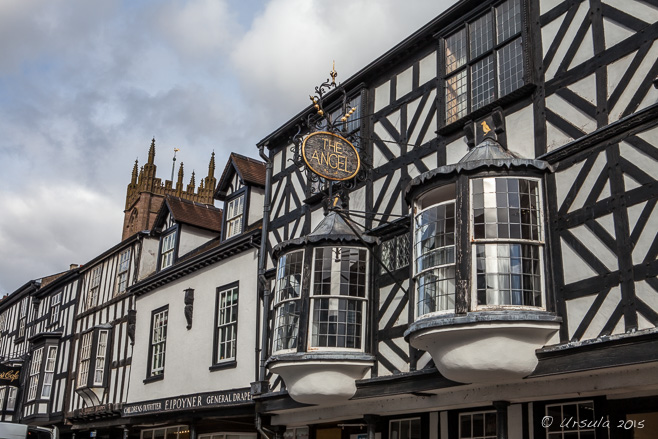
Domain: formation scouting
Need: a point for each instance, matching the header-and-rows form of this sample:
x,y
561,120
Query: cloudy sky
x,y
85,85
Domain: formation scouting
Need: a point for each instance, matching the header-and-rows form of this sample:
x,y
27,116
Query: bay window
x,y
483,60
92,364
35,368
507,241
338,297
287,301
85,359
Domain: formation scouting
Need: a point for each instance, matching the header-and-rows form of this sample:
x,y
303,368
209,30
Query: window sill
x,y
154,378
225,365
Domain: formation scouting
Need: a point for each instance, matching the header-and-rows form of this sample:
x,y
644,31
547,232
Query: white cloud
x,y
44,233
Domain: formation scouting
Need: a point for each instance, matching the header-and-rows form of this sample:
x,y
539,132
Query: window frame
x,y
220,327
181,428
12,394
55,306
396,249
123,272
91,357
314,299
279,303
95,281
399,422
562,431
22,317
484,435
540,244
49,374
153,374
168,254
237,219
470,61
34,374
417,274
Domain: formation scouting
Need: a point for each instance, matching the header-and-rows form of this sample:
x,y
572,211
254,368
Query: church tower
x,y
146,193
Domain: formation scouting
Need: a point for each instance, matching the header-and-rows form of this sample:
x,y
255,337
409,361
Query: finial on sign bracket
x,y
333,74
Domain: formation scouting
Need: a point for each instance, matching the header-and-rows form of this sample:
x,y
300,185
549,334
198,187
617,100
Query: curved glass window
x,y
286,301
434,263
338,297
507,241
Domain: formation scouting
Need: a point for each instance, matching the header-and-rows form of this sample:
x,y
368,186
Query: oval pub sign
x,y
330,156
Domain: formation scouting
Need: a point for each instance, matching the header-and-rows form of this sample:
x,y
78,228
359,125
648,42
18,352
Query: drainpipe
x,y
262,261
261,430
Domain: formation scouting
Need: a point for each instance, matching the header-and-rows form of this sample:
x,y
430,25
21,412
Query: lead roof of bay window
x,y
487,154
333,228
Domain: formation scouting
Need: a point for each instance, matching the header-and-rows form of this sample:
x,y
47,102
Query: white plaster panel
x,y
608,223
412,107
630,183
547,5
620,328
192,237
585,51
634,213
649,99
378,158
648,295
455,151
555,138
382,95
189,352
299,190
605,192
427,68
577,308
423,361
615,32
650,136
564,180
573,266
596,246
412,170
277,162
388,314
377,189
148,257
316,217
585,88
256,201
548,33
638,158
358,199
570,113
430,161
568,39
643,323
588,184
421,121
521,132
639,10
616,71
634,84
515,421
393,358
647,237
404,83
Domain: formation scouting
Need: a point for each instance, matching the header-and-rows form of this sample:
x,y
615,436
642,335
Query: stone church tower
x,y
146,193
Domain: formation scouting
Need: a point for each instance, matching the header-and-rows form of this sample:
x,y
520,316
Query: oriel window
x,y
287,301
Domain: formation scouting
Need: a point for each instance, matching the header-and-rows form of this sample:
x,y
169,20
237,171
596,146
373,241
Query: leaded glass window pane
x,y
455,51
510,67
483,81
338,297
456,96
395,253
287,294
481,34
508,19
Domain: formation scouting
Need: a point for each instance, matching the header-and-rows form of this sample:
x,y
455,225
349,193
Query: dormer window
x,y
234,217
167,250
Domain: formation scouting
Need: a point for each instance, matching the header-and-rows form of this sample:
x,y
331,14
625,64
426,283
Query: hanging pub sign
x,y
9,375
330,156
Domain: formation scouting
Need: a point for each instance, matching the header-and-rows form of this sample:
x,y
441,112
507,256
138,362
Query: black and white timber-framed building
x,y
513,148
